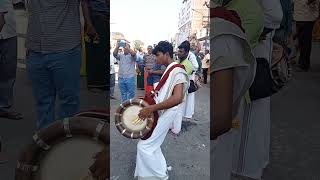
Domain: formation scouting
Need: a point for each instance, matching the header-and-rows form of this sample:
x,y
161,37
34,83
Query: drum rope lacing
x,y
26,167
40,142
66,127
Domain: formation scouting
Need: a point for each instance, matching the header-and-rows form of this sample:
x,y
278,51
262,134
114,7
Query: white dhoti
x,y
221,151
252,146
189,106
150,160
150,163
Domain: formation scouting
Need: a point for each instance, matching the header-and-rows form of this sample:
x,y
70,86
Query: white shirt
x,y
193,59
206,61
304,12
9,29
272,13
112,61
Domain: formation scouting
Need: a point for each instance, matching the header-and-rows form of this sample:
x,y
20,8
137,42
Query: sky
x,y
147,20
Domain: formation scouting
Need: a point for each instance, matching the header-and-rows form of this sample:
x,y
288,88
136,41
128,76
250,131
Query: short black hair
x,y
185,45
164,47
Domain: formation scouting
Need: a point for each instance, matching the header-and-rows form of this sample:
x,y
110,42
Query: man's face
x,y
149,50
126,50
182,54
161,58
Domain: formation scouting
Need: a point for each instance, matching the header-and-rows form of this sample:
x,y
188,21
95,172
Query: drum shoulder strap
x,y
166,75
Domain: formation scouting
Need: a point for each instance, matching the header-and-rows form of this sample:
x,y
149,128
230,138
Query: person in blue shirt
x,y
155,74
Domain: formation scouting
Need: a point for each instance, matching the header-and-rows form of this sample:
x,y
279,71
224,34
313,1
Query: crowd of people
x,y
138,69
251,51
53,57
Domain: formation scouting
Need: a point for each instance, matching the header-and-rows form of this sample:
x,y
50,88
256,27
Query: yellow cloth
x,y
187,65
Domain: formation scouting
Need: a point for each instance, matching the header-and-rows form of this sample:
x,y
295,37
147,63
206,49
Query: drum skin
x,y
123,129
82,126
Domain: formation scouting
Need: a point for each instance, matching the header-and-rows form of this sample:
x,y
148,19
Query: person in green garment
x,y
233,70
252,18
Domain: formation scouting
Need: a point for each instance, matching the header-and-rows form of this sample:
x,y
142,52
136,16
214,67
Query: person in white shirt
x,y
306,12
150,161
8,60
205,66
184,53
252,144
112,76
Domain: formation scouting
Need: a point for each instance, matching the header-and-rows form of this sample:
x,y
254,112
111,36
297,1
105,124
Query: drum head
x,y
68,160
129,115
64,150
127,120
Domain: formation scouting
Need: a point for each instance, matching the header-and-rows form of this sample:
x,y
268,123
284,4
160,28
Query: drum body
x,y
64,150
128,122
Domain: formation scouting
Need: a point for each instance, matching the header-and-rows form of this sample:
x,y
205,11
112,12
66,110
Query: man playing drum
x,y
151,163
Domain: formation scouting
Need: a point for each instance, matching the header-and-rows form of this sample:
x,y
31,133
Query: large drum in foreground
x,y
128,122
64,150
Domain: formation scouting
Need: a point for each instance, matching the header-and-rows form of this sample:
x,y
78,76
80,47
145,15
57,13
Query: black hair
x,y
185,45
164,47
225,2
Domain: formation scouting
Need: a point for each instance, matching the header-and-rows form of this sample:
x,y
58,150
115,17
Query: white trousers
x,y
189,106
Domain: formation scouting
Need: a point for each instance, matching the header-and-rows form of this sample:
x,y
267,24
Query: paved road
x,y
295,131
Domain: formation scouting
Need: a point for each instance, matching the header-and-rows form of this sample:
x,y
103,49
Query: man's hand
x,y
138,71
145,112
127,46
91,31
99,168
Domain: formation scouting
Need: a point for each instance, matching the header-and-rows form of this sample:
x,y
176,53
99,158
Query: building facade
x,y
193,21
